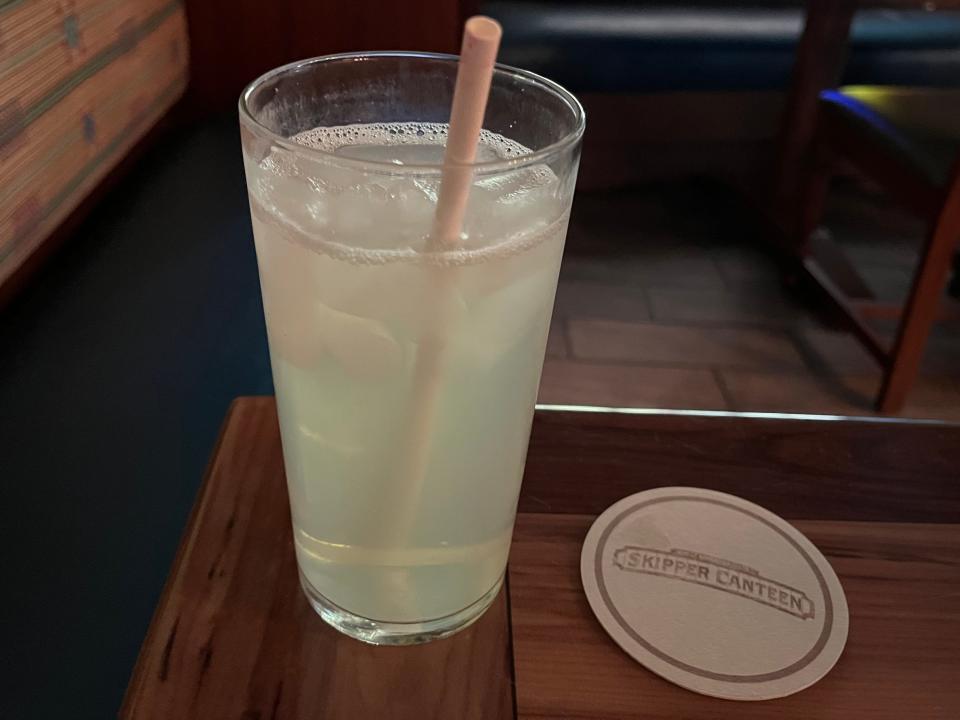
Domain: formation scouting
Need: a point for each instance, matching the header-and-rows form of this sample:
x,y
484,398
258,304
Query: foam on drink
x,y
338,207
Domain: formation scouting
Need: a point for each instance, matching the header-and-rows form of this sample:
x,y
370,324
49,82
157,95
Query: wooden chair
x,y
924,177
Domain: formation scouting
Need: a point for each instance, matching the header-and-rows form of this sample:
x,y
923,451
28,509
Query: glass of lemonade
x,y
405,373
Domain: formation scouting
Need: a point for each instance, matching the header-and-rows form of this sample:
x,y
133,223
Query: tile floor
x,y
661,306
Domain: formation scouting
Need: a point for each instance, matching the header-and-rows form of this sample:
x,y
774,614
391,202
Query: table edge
x,y
745,415
186,536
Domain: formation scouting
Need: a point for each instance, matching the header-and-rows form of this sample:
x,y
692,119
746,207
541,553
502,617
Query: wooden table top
x,y
233,637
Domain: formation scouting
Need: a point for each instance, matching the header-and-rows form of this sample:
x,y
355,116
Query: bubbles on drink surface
x,y
378,204
359,140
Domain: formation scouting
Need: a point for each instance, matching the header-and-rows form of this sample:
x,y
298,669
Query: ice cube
x,y
534,249
389,213
286,279
498,321
406,154
362,347
283,191
293,339
352,216
485,153
509,204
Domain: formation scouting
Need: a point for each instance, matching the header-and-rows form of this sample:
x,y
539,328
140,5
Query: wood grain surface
x,y
902,583
583,462
233,636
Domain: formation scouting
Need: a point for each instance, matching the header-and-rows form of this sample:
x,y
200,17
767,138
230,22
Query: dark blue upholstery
x,y
657,47
117,366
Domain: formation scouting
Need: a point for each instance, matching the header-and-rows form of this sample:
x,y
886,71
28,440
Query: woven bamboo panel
x,y
80,82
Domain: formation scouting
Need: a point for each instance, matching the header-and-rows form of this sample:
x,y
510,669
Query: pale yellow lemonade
x,y
349,289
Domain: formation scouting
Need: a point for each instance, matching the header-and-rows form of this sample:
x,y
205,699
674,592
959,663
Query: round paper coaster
x,y
714,593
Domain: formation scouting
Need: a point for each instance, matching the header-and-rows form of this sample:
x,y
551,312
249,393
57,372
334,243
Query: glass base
x,y
378,632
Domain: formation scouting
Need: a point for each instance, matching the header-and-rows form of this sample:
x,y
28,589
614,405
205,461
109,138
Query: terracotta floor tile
x,y
839,352
596,300
685,267
931,396
681,269
757,304
738,266
798,392
835,352
869,217
934,397
566,382
890,284
894,253
757,348
655,304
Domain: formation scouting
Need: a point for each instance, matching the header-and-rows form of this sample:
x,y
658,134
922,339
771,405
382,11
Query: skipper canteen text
x,y
715,573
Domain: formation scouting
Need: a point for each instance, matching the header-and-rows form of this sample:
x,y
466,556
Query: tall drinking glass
x,y
405,373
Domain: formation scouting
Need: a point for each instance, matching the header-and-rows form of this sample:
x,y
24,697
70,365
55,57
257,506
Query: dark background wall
x,y
261,35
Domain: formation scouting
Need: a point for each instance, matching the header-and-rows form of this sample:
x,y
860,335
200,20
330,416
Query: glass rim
x,y
482,168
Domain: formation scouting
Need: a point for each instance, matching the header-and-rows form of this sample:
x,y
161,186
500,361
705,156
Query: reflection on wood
x,y
233,636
